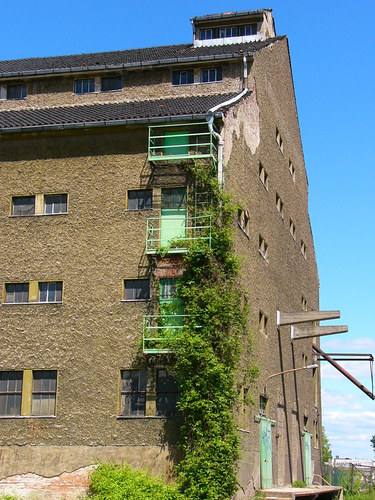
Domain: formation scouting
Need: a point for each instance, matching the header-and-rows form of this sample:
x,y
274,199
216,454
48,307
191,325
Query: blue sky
x,y
332,51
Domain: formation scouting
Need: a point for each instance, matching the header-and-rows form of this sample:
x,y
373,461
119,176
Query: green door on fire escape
x,y
265,452
176,143
173,215
307,462
171,309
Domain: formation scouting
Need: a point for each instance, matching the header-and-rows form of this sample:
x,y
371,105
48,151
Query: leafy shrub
x,y
121,482
299,484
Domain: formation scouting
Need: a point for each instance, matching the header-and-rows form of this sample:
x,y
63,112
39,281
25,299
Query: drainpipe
x,y
210,121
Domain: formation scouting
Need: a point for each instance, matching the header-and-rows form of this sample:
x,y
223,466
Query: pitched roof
x,y
127,58
109,114
229,15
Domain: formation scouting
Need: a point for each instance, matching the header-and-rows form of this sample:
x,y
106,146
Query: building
x,y
94,149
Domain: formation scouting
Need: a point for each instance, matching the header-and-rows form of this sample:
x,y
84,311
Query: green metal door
x,y
173,215
307,461
176,143
265,453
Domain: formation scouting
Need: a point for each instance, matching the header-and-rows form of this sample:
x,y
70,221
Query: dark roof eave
x,y
103,124
133,65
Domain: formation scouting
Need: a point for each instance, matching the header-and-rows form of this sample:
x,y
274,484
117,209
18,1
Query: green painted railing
x,y
161,332
159,238
181,141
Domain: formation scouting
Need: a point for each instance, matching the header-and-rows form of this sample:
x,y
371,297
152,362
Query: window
x,y
44,392
292,170
133,392
138,289
279,140
263,176
212,33
111,83
263,406
23,205
211,75
244,221
183,77
292,229
50,291
16,91
10,393
263,320
167,393
84,86
304,303
173,198
303,249
279,205
16,293
263,248
55,204
140,199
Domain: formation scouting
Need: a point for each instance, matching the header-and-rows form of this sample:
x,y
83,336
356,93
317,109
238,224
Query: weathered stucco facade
x,y
93,335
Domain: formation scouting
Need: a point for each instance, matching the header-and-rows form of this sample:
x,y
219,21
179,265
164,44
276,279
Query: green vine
x,y
208,353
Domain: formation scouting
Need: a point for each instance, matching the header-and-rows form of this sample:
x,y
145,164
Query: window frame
x,y
23,91
90,86
141,392
213,74
13,393
25,197
56,291
135,290
177,77
107,79
42,392
61,202
162,396
139,199
25,291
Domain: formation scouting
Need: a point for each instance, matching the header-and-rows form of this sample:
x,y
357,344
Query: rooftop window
x,y
84,86
16,91
111,83
229,32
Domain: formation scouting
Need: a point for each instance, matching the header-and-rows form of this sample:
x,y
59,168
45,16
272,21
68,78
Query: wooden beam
x,y
285,318
304,332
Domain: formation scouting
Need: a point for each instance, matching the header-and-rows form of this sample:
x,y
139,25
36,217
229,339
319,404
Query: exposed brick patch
x,y
68,485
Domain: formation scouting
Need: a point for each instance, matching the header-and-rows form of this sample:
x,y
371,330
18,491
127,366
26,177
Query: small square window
x,y
138,289
167,393
50,291
279,140
183,77
140,199
10,393
263,176
16,293
133,392
244,221
111,83
16,91
55,204
263,320
263,248
44,392
23,205
211,75
279,205
84,86
303,249
292,171
292,229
